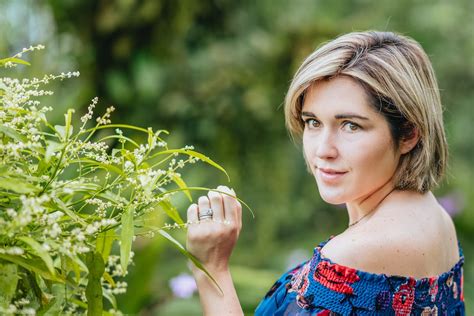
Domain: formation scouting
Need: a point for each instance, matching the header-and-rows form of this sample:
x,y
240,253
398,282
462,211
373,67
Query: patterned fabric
x,y
324,288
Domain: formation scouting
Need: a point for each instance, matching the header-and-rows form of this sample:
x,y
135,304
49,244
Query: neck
x,y
367,204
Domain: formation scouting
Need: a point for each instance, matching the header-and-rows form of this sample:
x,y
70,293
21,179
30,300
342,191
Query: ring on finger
x,y
207,214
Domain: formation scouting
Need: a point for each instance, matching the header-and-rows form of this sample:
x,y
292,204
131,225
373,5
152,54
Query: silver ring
x,y
206,214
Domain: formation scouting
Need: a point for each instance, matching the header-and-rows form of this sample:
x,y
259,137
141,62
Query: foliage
x,y
215,72
67,197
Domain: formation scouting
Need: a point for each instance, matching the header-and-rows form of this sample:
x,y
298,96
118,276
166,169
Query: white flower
x,y
128,166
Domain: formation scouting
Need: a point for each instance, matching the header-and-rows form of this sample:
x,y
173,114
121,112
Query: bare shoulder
x,y
400,249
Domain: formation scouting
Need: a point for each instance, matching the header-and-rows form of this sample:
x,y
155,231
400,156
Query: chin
x,y
335,198
334,201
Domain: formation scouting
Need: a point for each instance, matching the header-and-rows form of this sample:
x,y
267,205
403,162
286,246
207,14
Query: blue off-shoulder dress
x,y
321,287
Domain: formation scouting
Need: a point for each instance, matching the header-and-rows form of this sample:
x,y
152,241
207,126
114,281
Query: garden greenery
x,y
72,199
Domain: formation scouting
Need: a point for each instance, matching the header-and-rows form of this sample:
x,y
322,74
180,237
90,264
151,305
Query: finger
x,y
238,209
192,213
203,205
217,205
231,207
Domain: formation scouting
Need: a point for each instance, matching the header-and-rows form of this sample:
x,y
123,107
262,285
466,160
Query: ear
x,y
409,142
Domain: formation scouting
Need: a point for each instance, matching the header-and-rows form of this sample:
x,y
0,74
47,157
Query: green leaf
x,y
79,263
39,251
131,141
171,211
64,208
68,121
189,255
8,282
126,237
55,306
180,182
33,285
194,154
99,164
19,61
33,265
111,299
96,267
17,185
111,196
10,132
14,60
141,129
51,148
109,279
104,243
73,263
61,131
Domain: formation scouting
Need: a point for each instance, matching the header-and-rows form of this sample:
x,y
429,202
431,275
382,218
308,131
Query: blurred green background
x,y
214,73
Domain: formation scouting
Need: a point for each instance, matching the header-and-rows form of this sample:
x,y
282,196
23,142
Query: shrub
x,y
67,196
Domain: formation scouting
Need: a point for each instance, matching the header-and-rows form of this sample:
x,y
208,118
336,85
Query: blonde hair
x,y
400,83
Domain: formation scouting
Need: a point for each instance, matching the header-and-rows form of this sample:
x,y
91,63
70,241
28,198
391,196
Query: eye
x,y
311,123
351,126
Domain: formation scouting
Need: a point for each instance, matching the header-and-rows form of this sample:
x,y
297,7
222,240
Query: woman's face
x,y
347,144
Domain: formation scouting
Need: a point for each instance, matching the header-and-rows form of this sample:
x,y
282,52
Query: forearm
x,y
213,302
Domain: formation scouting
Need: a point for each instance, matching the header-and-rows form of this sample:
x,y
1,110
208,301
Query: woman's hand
x,y
211,240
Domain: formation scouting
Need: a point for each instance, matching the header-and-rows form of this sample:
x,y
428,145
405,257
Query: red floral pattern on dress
x,y
433,288
404,297
335,277
392,294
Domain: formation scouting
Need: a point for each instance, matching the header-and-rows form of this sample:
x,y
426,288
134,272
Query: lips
x,y
331,171
330,175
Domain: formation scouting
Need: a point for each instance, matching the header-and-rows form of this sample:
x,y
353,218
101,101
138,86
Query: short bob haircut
x,y
400,84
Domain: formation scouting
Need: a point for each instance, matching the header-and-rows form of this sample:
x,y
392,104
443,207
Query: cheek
x,y
309,148
375,157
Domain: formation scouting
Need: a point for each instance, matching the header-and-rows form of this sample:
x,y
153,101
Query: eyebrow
x,y
339,116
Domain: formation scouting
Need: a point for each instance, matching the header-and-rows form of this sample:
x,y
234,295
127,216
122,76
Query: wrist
x,y
214,272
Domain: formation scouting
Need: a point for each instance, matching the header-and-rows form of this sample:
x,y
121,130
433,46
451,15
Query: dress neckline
x,y
378,277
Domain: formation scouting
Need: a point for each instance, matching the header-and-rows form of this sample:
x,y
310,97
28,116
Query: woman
x,y
368,110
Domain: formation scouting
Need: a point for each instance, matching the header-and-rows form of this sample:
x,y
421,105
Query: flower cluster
x,y
68,194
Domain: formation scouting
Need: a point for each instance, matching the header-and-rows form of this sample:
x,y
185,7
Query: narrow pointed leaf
x,y
104,243
15,60
40,252
171,211
17,185
180,182
99,164
189,255
107,277
52,147
194,154
126,237
33,265
64,208
10,132
8,282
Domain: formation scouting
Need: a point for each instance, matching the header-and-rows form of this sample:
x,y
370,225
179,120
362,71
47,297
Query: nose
x,y
326,147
